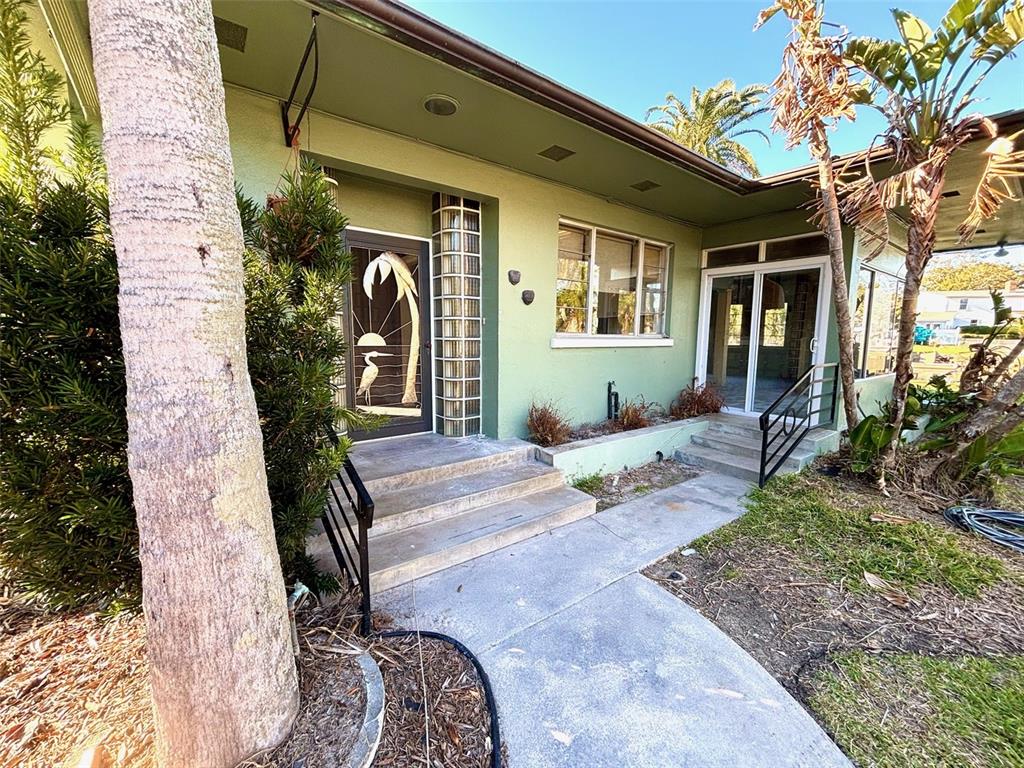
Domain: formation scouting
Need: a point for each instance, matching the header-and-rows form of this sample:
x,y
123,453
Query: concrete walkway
x,y
594,665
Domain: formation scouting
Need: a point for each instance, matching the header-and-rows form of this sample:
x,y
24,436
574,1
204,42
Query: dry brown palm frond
x,y
1005,162
814,87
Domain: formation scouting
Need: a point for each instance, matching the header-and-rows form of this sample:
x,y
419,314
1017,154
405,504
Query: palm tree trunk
x,y
920,244
223,678
995,420
1000,371
833,228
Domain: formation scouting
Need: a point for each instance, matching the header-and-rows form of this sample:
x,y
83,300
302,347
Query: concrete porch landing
x,y
442,501
595,666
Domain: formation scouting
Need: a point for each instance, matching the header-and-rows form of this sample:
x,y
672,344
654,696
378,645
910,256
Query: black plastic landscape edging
x,y
488,693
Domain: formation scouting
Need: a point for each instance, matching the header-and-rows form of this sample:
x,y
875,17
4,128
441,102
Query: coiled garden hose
x,y
999,525
492,708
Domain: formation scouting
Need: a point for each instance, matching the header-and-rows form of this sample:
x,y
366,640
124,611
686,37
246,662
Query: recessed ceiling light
x,y
645,186
557,153
441,105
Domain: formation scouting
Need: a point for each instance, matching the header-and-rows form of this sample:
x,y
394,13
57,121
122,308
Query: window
x,y
774,334
609,284
963,303
876,322
572,282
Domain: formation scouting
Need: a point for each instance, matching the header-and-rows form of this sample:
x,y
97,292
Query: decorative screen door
x,y
388,332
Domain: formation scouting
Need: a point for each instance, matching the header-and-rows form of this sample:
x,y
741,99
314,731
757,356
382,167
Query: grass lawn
x,y
921,666
845,542
953,713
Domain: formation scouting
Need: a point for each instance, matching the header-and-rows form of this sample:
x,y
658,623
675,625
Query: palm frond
x,y
1004,162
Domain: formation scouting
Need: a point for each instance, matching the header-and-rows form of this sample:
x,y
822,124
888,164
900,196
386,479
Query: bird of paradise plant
x,y
924,85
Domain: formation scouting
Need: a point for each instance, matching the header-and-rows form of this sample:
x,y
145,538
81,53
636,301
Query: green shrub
x,y
296,270
67,525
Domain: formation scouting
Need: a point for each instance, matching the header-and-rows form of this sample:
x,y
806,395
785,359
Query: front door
x,y
760,330
388,332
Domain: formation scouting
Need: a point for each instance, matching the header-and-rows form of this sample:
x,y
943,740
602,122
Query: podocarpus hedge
x,y
67,526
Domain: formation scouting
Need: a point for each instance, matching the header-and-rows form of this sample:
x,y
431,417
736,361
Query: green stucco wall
x,y
519,363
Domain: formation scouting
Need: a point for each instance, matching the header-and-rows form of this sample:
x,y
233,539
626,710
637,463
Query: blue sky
x,y
628,55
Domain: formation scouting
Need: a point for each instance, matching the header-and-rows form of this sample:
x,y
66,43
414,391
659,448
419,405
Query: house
x,y
557,245
945,310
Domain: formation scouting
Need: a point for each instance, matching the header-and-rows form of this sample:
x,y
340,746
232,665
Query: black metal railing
x,y
796,412
347,520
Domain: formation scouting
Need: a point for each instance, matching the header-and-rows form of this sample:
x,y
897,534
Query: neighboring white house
x,y
948,310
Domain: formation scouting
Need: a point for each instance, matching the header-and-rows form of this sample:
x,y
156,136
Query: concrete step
x,y
418,504
408,554
389,465
738,445
741,467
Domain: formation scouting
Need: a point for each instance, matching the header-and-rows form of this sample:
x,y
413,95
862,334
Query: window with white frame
x,y
876,320
609,284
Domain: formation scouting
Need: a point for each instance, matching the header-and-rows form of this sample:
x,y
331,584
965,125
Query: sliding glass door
x,y
731,311
760,330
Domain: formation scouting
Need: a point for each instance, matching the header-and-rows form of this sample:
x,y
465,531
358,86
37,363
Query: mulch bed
x,y
610,427
435,716
629,484
77,680
69,682
791,619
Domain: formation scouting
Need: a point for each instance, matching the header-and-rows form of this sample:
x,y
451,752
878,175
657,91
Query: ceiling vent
x,y
556,153
229,34
645,186
952,193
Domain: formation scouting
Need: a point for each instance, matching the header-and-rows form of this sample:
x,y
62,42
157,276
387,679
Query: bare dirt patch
x,y
784,610
626,485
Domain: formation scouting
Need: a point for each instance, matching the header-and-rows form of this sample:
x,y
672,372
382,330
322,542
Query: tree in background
x,y
712,121
811,95
67,526
971,276
923,84
221,669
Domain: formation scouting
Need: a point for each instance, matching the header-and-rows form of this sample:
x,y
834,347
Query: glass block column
x,y
457,324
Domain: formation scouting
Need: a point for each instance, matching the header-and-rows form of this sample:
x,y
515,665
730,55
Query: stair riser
x,y
384,524
446,471
724,467
728,448
461,552
809,444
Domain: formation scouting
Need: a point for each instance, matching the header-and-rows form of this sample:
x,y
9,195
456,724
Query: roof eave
x,y
407,26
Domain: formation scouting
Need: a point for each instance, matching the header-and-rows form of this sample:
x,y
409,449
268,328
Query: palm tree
x,y
812,93
711,123
923,84
222,674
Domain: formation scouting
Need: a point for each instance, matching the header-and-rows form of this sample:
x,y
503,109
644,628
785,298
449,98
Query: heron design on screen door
x,y
389,264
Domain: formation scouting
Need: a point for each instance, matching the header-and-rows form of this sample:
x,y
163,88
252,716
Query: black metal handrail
x,y
787,421
348,533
